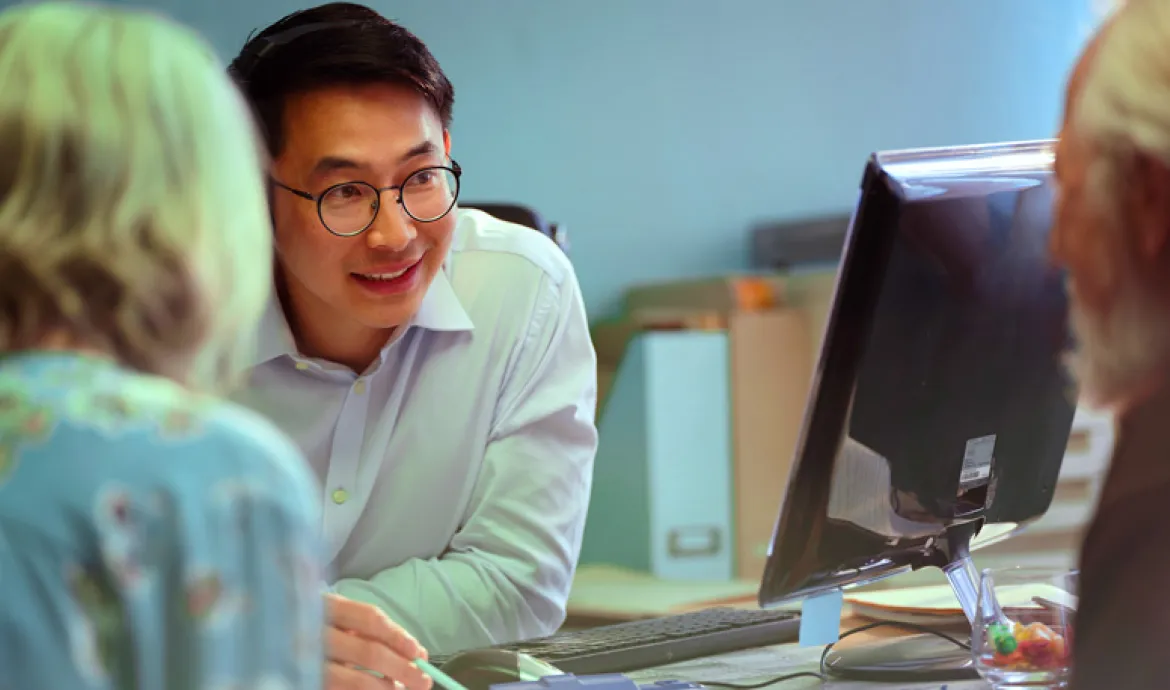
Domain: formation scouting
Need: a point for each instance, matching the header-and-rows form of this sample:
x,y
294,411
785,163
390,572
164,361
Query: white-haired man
x,y
1112,231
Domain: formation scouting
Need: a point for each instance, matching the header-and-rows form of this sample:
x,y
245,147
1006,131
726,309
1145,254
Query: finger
x,y
369,621
348,649
338,677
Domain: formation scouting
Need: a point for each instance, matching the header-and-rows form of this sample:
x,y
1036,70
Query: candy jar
x,y
1022,627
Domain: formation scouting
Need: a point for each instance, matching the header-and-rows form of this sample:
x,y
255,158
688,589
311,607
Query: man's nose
x,y
392,229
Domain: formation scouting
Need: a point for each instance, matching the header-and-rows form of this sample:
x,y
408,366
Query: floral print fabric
x,y
150,538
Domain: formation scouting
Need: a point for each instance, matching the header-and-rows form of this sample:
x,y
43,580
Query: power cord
x,y
763,683
823,675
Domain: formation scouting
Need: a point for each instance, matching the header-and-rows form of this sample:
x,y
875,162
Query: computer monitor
x,y
940,409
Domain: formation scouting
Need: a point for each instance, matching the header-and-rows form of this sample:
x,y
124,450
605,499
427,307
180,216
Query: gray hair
x,y
1124,106
1123,112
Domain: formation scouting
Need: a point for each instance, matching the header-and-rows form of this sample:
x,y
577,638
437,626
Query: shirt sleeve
x,y
275,561
507,573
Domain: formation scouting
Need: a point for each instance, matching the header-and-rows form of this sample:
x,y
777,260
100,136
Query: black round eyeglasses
x,y
349,208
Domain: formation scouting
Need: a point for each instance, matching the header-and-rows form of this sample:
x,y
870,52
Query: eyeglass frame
x,y
454,169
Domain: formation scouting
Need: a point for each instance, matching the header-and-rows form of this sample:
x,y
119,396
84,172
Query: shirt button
x,y
302,366
340,496
359,387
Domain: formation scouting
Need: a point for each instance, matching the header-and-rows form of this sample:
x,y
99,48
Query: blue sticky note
x,y
820,619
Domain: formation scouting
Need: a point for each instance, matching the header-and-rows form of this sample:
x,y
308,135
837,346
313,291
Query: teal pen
x,y
438,676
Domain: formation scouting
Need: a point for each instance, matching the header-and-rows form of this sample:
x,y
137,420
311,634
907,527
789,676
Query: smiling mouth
x,y
392,282
384,276
394,275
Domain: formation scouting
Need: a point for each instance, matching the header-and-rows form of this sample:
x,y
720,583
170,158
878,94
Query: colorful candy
x,y
1033,647
1002,639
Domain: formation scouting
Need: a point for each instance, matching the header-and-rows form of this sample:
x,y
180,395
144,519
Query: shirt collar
x,y
275,337
440,310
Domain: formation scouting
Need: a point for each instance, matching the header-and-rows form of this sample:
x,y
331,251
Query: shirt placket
x,y
343,495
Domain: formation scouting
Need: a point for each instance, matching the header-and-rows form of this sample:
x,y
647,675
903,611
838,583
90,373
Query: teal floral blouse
x,y
150,538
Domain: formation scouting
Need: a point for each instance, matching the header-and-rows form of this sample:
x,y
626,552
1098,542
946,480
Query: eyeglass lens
x,y
426,195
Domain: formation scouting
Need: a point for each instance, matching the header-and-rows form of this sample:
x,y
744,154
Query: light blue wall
x,y
660,130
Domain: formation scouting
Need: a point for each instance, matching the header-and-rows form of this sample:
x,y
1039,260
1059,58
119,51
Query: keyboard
x,y
658,641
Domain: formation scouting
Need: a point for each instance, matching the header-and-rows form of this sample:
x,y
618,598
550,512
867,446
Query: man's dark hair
x,y
340,43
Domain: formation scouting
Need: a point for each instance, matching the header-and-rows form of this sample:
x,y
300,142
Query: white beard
x,y
1119,350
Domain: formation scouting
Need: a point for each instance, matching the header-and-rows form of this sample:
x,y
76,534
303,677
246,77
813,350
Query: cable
x,y
823,675
763,683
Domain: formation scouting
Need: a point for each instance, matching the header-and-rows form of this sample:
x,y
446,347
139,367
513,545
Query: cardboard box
x,y
775,324
723,294
771,369
809,291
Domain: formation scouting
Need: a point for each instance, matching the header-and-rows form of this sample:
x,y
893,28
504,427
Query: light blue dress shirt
x,y
150,538
456,471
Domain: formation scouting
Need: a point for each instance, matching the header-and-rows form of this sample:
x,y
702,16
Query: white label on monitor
x,y
977,458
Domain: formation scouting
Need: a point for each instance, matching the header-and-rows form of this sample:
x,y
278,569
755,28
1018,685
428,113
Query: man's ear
x,y
447,142
1151,208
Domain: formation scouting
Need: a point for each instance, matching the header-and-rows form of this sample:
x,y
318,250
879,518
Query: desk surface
x,y
757,665
604,595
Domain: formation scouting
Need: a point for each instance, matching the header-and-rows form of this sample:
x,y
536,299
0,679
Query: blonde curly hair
x,y
133,217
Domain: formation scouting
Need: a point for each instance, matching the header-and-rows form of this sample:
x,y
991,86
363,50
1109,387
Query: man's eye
x,y
346,194
425,178
348,191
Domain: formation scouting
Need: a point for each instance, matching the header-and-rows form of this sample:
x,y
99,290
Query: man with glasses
x,y
433,363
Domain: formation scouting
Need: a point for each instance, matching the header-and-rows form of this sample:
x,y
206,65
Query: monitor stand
x,y
916,658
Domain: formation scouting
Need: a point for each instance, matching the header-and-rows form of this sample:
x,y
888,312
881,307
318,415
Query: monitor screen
x,y
940,408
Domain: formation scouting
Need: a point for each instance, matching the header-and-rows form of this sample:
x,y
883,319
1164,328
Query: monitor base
x,y
924,657
917,658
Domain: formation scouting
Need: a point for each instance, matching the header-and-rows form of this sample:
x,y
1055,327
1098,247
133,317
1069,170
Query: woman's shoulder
x,y
74,410
117,487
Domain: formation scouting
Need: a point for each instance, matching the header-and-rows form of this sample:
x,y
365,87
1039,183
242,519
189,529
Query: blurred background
x,y
703,157
660,131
